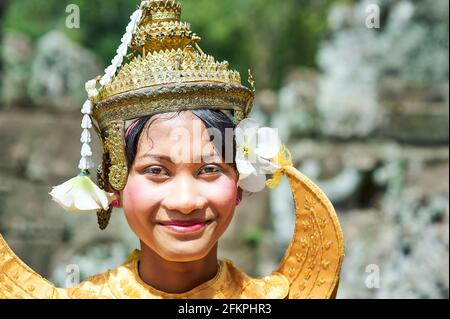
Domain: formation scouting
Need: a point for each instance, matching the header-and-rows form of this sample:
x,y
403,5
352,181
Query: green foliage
x,y
267,36
253,236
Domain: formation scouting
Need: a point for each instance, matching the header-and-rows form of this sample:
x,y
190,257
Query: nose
x,y
184,196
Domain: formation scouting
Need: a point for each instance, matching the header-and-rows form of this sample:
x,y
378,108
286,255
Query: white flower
x,y
144,4
111,70
80,194
86,122
85,136
117,61
126,38
91,88
87,107
85,163
86,150
105,80
256,149
122,49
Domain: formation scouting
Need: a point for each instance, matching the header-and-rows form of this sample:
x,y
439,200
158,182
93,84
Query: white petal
x,y
86,123
85,136
138,17
246,130
86,163
117,61
244,167
122,50
87,107
90,85
263,166
80,194
126,39
86,150
109,69
84,201
110,72
103,198
248,123
93,94
100,197
269,143
105,80
253,183
239,137
59,193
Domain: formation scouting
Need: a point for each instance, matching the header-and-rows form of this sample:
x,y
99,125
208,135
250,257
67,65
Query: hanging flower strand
x,y
122,50
81,194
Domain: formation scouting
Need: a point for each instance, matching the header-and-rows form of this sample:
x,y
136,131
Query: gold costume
x,y
166,72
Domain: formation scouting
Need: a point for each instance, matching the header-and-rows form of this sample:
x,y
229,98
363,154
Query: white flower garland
x,y
80,194
86,162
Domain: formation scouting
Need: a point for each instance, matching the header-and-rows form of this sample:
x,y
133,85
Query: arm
x,y
313,260
17,280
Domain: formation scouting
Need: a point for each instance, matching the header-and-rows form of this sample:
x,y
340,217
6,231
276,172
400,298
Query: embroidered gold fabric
x,y
309,269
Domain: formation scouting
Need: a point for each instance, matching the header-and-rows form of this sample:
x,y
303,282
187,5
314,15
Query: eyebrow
x,y
156,156
168,159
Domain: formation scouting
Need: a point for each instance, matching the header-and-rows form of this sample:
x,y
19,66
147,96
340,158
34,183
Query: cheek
x,y
221,194
138,199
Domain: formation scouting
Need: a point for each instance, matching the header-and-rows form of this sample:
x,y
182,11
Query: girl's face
x,y
177,208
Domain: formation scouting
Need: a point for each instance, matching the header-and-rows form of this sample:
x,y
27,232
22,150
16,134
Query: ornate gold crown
x,y
167,71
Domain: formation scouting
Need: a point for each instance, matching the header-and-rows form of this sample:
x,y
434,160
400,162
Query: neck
x,y
176,277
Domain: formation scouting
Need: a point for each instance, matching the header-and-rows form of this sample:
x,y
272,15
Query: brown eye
x,y
211,169
157,171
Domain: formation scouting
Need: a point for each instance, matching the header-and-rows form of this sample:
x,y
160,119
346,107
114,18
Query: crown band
x,y
172,98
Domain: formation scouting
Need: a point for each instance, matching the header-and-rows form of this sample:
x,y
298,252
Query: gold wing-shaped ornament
x,y
18,281
313,260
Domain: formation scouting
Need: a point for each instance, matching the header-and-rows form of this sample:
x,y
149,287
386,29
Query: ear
x,y
240,192
116,193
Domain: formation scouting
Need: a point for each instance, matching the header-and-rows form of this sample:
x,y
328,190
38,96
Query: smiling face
x,y
179,207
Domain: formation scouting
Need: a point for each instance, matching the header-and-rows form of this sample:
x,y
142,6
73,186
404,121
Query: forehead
x,y
168,132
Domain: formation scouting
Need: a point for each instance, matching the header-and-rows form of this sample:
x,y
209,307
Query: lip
x,y
185,226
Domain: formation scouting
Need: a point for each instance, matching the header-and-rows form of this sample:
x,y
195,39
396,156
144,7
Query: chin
x,y
185,252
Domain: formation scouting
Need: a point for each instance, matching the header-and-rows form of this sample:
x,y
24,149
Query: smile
x,y
184,227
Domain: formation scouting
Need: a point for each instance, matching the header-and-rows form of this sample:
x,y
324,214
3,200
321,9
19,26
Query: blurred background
x,y
362,103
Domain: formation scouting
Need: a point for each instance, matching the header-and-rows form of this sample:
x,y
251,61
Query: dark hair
x,y
213,119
